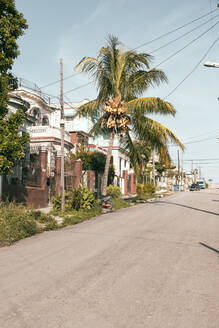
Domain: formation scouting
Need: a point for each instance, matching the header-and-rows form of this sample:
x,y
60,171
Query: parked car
x,y
201,184
194,187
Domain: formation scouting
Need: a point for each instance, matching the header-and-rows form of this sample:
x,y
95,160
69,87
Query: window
x,y
35,112
45,120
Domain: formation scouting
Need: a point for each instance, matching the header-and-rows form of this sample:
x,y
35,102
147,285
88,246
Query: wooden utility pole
x,y
182,173
153,168
62,127
178,166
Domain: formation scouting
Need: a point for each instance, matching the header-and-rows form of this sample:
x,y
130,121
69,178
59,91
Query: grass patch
x,y
119,203
75,217
19,222
139,198
15,223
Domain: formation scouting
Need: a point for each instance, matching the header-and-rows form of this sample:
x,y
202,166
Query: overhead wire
x,y
178,51
162,62
146,43
79,87
193,70
202,140
57,81
203,134
199,159
174,30
187,45
185,34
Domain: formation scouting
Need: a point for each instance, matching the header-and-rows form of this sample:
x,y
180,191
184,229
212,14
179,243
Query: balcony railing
x,y
34,88
47,131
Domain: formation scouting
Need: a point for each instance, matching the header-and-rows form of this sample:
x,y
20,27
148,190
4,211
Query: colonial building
x,y
37,177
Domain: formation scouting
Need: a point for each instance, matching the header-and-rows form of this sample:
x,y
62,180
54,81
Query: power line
x,y
149,42
180,50
194,68
201,159
165,60
57,81
174,30
196,141
181,36
187,45
81,86
203,134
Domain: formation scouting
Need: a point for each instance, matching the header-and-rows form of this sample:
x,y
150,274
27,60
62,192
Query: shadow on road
x,y
190,207
215,200
209,247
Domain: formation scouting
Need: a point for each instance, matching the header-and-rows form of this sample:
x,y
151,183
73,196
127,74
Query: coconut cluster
x,y
115,117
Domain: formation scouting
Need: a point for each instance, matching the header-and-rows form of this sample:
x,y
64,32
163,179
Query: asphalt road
x,y
153,265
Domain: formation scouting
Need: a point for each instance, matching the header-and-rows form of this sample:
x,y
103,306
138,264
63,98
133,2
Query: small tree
x,y
91,160
12,139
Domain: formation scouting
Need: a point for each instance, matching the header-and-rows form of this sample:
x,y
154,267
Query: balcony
x,y
47,132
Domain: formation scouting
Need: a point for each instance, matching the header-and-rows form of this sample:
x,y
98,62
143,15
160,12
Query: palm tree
x,y
139,156
121,76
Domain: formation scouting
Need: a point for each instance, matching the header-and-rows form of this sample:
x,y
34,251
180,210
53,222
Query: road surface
x,y
154,265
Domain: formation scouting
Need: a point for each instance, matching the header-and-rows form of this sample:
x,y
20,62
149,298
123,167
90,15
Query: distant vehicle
x,y
194,187
201,184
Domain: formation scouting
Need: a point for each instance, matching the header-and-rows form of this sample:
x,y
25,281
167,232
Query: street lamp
x,y
211,64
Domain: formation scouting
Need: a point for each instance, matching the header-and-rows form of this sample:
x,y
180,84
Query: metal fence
x,y
33,87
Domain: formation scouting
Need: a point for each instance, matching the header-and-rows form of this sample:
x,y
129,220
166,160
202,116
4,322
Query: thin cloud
x,y
100,8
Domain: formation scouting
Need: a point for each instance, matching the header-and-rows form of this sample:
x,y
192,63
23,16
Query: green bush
x,y
149,188
79,198
139,189
52,225
56,201
15,223
82,198
113,191
82,215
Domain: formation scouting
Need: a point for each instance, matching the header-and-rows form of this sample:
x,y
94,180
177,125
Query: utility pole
x,y
192,166
199,171
182,174
178,165
62,127
153,168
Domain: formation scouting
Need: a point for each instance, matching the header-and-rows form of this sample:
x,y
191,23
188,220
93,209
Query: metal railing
x,y
33,87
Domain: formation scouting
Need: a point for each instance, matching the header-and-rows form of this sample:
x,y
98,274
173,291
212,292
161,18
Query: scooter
x,y
106,202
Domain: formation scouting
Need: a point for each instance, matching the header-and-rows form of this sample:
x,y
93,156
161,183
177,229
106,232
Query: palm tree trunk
x,y
106,170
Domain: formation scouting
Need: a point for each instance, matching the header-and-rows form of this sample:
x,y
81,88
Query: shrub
x,y
82,197
56,201
139,189
113,191
52,225
149,188
79,198
15,223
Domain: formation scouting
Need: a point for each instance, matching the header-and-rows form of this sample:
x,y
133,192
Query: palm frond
x,y
128,148
153,132
87,64
92,110
148,105
97,129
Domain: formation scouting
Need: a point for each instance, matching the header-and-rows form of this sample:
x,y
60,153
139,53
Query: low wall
x,y
32,196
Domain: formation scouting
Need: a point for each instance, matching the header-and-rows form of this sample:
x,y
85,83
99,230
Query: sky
x,y
73,29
